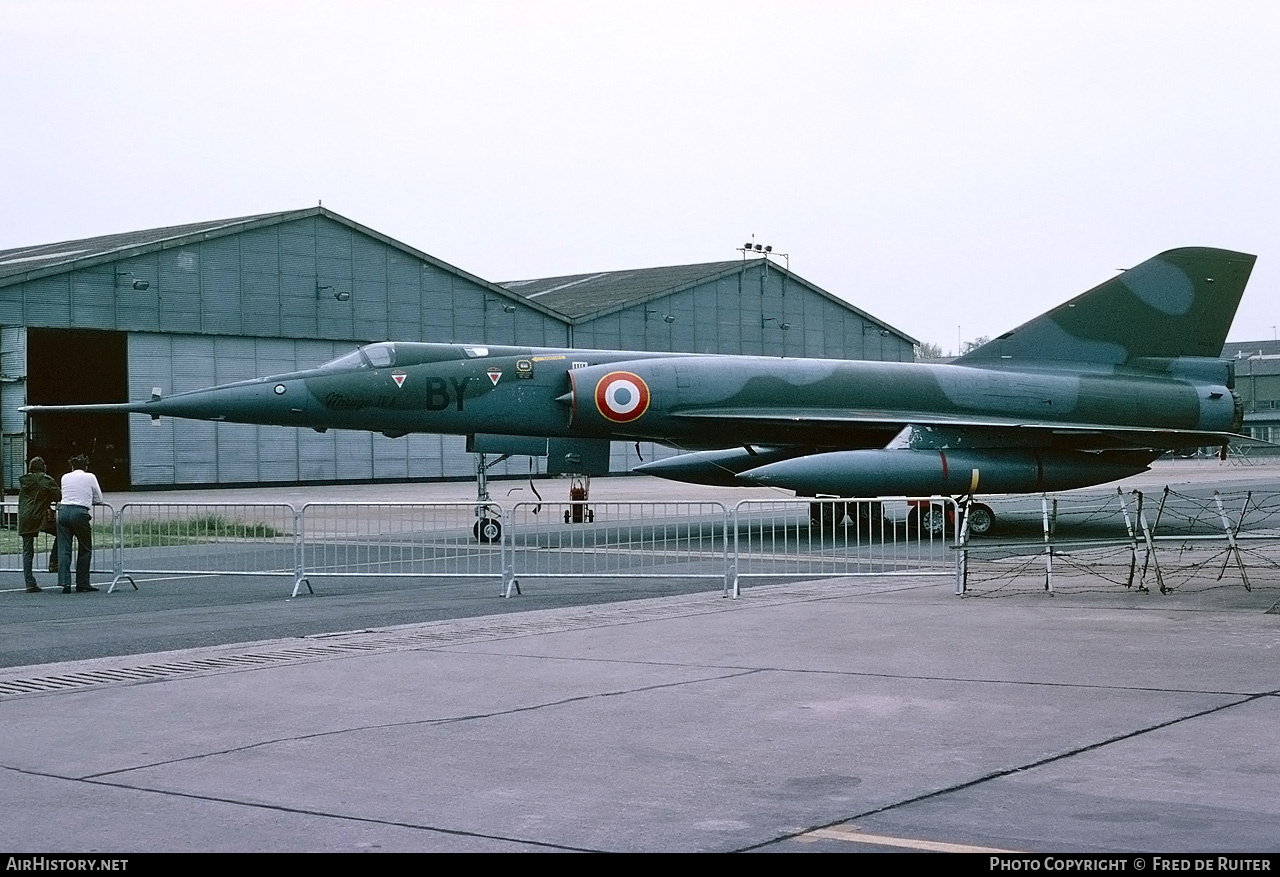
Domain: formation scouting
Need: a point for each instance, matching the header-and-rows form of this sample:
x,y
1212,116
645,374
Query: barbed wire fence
x,y
1169,541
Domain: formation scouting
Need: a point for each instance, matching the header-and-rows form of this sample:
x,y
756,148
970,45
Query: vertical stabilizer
x,y
1180,303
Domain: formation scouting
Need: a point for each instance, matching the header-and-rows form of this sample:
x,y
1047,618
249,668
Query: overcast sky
x,y
954,168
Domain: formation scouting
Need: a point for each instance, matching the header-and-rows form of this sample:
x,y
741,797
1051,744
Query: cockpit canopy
x,y
380,355
402,354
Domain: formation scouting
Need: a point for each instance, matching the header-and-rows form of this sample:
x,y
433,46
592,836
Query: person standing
x,y
36,491
80,491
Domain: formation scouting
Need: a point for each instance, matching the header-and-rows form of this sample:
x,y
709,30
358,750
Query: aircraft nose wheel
x,y
487,530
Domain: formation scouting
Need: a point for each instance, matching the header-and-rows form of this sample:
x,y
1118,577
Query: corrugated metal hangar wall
x,y
750,310
192,306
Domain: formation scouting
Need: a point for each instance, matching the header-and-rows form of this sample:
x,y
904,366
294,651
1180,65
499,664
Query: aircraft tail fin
x,y
1179,303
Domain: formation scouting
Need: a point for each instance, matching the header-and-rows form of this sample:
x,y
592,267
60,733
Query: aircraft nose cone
x,y
260,401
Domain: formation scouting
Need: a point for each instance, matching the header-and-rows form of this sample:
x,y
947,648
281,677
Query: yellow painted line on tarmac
x,y
852,835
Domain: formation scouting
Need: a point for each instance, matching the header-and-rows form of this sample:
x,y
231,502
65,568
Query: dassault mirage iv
x,y
1090,392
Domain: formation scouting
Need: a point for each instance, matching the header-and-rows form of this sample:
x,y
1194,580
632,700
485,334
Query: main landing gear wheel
x,y
487,530
981,519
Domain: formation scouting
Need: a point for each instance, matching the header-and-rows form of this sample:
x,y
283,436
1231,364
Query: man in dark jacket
x,y
36,491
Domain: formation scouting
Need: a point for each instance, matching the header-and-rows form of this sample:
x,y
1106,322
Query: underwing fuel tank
x,y
946,472
719,468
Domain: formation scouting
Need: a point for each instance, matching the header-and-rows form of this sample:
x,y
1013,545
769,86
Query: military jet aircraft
x,y
1092,391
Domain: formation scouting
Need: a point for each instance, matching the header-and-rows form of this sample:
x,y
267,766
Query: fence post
x,y
299,551
509,580
1233,547
117,549
731,587
1133,539
1150,543
1048,539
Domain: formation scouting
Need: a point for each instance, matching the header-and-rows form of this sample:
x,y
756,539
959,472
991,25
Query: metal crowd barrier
x,y
615,539
104,543
170,538
803,538
786,538
457,539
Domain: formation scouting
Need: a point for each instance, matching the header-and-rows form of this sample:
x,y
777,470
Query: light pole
x,y
764,250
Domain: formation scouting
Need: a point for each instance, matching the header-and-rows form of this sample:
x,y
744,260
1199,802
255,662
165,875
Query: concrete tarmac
x,y
840,715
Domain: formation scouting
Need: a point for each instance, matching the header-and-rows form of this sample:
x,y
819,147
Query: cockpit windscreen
x,y
381,355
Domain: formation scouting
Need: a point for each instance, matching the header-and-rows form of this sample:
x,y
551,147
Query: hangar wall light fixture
x,y
136,284
340,295
666,318
781,325
507,307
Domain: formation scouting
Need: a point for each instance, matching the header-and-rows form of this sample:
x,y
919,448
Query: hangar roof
x,y
1253,358
586,295
582,297
1242,349
67,254
574,298
28,263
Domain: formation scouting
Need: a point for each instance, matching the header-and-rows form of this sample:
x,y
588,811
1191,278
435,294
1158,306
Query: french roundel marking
x,y
622,396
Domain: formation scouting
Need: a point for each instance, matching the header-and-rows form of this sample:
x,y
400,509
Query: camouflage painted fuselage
x,y
1089,392
720,401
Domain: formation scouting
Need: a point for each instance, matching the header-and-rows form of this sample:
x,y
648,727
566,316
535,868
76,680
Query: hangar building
x,y
1258,383
752,307
108,319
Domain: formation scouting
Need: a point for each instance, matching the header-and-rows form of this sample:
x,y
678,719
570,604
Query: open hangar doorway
x,y
79,367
